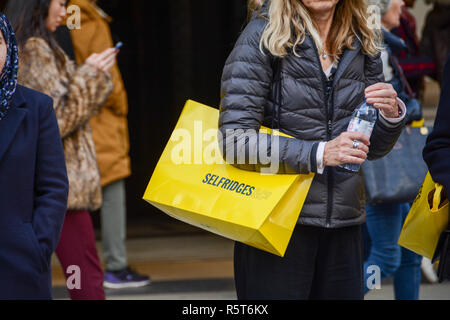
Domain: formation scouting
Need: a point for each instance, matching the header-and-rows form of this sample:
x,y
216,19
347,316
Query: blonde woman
x,y
317,61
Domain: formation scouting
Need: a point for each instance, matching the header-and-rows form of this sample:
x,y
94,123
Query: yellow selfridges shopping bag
x,y
192,183
428,217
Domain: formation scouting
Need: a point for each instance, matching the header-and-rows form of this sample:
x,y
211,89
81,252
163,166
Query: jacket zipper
x,y
329,113
330,169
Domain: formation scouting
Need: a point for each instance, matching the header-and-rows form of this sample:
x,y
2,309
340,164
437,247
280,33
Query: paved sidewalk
x,y
199,267
223,289
439,291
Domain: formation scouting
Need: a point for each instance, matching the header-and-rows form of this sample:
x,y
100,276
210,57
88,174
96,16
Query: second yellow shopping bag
x,y
426,220
192,183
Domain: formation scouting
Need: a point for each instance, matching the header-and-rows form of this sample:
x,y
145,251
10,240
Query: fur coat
x,y
110,125
77,94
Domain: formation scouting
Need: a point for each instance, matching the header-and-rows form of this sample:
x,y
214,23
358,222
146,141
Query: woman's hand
x,y
103,61
341,150
383,97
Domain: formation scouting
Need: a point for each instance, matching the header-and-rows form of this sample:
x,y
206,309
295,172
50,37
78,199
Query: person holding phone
x,y
77,95
118,45
110,133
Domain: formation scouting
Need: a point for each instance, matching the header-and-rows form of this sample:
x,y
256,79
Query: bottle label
x,y
359,125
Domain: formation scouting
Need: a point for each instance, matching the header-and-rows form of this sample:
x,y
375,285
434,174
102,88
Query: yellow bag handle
x,y
418,123
437,197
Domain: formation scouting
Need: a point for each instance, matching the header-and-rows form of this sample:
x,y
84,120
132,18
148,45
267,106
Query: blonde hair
x,y
289,21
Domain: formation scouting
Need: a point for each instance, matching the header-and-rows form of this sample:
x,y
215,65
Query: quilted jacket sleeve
x,y
247,83
383,137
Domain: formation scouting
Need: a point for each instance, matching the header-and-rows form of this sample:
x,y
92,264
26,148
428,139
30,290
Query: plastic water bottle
x,y
363,120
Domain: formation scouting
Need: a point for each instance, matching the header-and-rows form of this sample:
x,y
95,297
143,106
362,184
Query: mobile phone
x,y
118,45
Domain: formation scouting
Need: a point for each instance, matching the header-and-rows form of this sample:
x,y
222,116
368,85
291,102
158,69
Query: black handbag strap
x,y
276,69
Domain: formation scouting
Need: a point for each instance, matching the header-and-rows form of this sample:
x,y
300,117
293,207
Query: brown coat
x,y
109,126
77,94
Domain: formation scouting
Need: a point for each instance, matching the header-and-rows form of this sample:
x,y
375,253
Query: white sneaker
x,y
428,270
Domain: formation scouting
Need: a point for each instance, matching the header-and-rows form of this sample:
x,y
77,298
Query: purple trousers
x,y
78,256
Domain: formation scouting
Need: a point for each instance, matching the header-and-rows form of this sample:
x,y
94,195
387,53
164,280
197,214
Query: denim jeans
x,y
384,224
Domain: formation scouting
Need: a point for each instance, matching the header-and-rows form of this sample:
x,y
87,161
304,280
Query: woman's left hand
x,y
383,97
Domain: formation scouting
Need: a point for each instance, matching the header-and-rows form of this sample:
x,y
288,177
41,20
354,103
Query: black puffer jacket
x,y
249,89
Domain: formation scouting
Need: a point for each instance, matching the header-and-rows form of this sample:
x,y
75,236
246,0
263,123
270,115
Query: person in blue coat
x,y
33,181
437,150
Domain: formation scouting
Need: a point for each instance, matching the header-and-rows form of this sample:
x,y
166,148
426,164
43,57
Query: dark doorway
x,y
173,51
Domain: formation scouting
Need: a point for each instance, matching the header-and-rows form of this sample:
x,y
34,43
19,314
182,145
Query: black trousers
x,y
319,264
